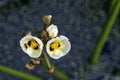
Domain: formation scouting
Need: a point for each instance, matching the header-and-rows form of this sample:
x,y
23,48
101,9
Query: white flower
x,y
52,30
31,45
58,47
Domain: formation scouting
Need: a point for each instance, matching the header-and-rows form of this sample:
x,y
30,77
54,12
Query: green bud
x,y
47,19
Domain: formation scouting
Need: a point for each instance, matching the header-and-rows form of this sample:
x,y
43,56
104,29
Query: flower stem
x,y
47,60
105,32
57,73
18,73
113,3
61,75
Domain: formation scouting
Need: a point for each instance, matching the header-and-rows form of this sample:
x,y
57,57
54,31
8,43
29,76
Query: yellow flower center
x,y
54,45
32,43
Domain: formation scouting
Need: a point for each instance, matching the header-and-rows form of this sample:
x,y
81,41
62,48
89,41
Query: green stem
x,y
61,75
113,3
57,73
48,64
19,73
104,34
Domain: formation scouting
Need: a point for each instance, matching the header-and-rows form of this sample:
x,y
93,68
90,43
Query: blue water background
x,y
80,20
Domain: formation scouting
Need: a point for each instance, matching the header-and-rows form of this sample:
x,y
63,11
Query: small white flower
x,y
52,30
31,45
58,47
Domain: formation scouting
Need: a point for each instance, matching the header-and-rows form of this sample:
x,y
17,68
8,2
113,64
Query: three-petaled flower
x,y
31,45
58,47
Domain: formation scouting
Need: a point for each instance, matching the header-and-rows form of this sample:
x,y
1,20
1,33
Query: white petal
x,y
52,31
64,48
33,53
58,54
29,50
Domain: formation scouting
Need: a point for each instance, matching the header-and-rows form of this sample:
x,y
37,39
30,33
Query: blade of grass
x,y
18,73
104,34
60,74
113,3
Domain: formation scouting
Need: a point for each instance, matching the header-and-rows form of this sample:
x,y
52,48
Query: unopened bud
x,y
35,61
29,66
47,19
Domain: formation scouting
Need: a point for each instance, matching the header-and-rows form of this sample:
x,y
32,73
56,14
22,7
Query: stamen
x,y
51,49
54,45
29,43
25,45
32,43
36,47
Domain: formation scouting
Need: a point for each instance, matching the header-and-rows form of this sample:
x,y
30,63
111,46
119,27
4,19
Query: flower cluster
x,y
57,46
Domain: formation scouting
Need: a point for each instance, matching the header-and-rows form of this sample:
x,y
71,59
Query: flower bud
x,y
47,19
29,66
52,30
35,61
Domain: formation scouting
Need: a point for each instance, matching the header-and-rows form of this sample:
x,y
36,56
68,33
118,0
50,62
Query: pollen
x,y
54,45
32,43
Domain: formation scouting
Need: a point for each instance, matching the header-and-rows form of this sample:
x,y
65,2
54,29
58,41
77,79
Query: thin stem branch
x,y
61,75
57,73
105,32
18,73
113,3
46,60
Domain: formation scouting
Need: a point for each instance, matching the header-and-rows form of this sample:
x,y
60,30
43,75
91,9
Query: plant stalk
x,y
104,33
48,64
57,73
18,73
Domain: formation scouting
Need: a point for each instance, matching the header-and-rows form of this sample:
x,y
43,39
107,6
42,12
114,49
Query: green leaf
x,y
18,73
105,32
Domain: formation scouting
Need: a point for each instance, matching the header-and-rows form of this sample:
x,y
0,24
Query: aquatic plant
x,y
56,46
112,14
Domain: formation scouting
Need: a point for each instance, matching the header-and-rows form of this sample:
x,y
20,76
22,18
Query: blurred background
x,y
80,20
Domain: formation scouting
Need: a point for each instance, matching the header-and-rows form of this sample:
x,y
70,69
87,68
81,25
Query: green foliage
x,y
115,6
18,73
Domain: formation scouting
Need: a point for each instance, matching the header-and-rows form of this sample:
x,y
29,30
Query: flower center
x,y
54,45
32,43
